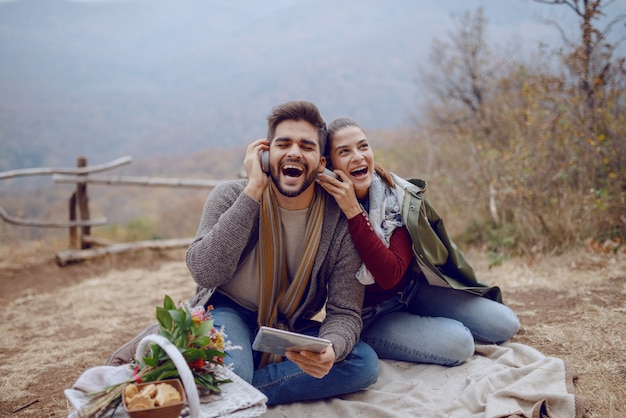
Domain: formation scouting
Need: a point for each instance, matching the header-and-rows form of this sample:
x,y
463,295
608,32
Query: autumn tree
x,y
599,106
526,160
590,59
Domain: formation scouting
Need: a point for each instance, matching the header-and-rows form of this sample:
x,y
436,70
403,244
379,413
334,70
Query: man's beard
x,y
293,193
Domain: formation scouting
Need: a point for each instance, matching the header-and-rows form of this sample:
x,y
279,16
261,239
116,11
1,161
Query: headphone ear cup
x,y
265,161
332,174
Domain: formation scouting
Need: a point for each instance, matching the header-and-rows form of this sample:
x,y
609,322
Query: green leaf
x,y
177,316
168,303
152,362
211,386
180,340
201,342
165,333
166,368
204,379
185,320
204,328
193,354
168,374
164,317
208,381
214,353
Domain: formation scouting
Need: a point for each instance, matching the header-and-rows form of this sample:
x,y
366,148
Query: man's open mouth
x,y
290,170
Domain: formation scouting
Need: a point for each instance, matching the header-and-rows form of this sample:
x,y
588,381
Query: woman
x,y
422,303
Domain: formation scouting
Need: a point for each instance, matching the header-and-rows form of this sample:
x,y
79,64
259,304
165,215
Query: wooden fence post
x,y
73,229
82,199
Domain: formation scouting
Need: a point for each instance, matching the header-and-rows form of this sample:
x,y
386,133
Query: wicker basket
x,y
184,373
169,411
238,399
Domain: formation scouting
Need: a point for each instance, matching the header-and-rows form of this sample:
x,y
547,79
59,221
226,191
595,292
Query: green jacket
x,y
437,256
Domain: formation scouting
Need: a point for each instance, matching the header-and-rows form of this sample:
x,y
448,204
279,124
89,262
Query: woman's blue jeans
x,y
431,324
285,382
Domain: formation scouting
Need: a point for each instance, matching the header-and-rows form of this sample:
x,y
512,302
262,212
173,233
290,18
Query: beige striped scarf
x,y
277,299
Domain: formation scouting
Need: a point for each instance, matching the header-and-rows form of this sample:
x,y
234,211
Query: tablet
x,y
277,341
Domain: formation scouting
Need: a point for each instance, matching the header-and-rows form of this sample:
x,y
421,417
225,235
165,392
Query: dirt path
x,y
57,322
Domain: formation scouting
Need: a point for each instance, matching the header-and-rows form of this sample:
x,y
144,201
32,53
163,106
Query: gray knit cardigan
x,y
229,229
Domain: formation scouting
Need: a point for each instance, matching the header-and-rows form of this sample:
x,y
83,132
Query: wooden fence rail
x,y
80,237
79,170
14,220
136,181
66,257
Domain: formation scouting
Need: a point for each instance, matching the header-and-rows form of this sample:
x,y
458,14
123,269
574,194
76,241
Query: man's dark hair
x,y
297,110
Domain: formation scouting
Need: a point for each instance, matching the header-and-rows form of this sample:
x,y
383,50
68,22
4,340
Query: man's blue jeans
x,y
285,382
430,324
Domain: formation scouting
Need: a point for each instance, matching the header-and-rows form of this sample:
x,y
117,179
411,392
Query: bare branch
x,y
607,4
616,20
570,4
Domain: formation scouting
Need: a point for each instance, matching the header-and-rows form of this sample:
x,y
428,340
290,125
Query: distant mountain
x,y
106,78
162,77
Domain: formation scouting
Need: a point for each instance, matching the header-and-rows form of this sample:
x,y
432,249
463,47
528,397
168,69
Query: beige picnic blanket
x,y
510,380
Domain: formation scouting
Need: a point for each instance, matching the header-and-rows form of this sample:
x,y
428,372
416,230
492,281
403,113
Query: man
x,y
272,250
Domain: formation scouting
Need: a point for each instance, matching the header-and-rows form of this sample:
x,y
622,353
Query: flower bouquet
x,y
191,331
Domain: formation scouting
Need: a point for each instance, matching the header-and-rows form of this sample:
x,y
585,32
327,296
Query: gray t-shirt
x,y
243,287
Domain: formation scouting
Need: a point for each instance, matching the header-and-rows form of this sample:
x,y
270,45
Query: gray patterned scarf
x,y
385,216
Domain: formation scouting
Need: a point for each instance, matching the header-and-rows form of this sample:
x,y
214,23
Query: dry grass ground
x,y
57,322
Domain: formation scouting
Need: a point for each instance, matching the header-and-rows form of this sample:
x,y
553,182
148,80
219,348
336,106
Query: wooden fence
x,y
82,245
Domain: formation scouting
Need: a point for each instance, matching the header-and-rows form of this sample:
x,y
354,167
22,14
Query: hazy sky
x,y
509,20
135,83
520,22
507,17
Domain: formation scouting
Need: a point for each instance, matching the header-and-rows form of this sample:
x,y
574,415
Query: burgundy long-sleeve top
x,y
387,265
